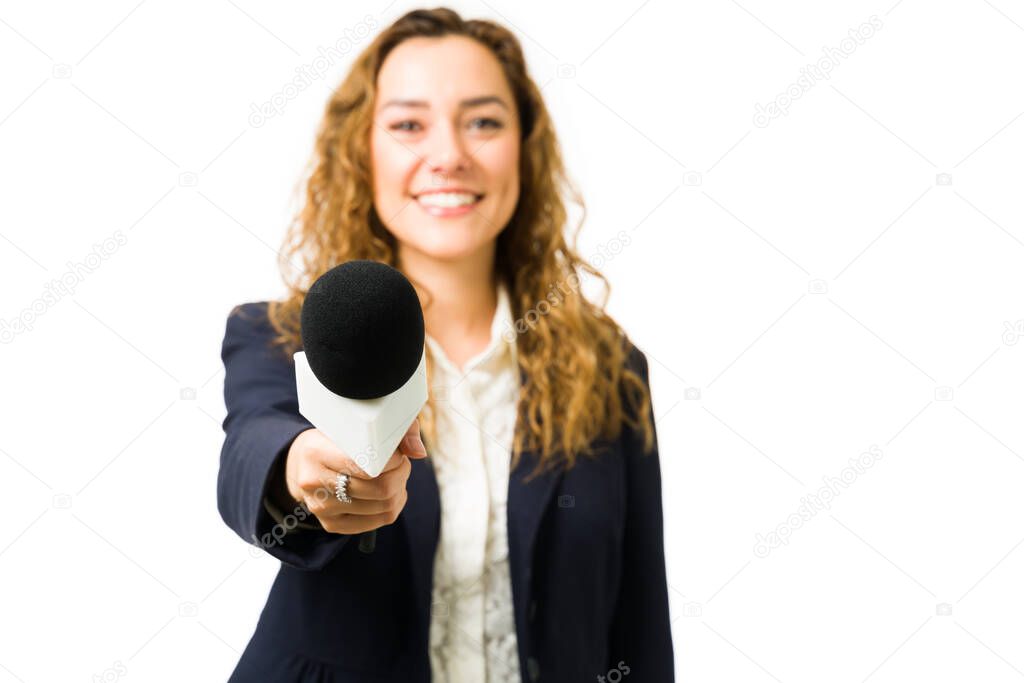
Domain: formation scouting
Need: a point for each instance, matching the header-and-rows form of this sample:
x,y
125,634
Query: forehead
x,y
441,72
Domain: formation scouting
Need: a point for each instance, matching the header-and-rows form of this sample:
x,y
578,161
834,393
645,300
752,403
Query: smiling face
x,y
445,148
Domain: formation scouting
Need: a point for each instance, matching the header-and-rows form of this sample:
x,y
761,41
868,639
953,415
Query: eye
x,y
400,124
491,123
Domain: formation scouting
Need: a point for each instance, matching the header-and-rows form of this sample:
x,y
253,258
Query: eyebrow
x,y
471,102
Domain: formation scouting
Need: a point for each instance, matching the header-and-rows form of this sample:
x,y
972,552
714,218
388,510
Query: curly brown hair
x,y
575,356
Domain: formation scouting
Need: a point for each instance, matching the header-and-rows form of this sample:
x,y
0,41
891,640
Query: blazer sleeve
x,y
262,421
641,632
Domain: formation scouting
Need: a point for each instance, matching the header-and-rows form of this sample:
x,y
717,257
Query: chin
x,y
444,239
454,253
447,249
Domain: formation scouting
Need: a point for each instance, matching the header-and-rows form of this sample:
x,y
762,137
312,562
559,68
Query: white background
x,y
811,282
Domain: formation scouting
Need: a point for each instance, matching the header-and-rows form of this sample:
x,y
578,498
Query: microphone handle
x,y
367,541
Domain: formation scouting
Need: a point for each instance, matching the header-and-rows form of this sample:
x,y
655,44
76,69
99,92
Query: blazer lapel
x,y
527,502
422,520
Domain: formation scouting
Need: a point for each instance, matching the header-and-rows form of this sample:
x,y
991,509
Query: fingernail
x,y
415,445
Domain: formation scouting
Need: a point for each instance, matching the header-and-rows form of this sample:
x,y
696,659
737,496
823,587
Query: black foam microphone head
x,y
362,329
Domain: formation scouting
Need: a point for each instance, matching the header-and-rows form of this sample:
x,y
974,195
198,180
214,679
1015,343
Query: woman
x,y
528,544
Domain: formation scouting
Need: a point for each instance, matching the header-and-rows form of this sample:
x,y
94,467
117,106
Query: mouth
x,y
447,204
448,200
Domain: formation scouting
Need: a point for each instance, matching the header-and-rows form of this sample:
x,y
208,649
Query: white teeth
x,y
446,199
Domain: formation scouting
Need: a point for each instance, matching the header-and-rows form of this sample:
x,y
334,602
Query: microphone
x,y
361,377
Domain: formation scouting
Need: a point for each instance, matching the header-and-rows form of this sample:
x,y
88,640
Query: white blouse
x,y
472,626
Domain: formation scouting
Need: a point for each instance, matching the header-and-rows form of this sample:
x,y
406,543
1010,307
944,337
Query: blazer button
x,y
532,668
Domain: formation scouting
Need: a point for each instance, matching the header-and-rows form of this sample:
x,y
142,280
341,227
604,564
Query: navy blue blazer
x,y
586,553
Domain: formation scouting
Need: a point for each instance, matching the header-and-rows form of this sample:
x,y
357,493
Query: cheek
x,y
389,166
502,164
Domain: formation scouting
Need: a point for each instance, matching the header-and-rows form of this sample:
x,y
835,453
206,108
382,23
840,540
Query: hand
x,y
311,469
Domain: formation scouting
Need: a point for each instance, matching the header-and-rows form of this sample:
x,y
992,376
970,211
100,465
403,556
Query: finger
x,y
357,473
361,507
337,460
355,524
323,500
412,442
384,486
323,496
396,459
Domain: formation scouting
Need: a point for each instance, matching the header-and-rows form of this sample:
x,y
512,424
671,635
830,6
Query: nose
x,y
448,151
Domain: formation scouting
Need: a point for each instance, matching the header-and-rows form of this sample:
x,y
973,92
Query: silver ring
x,y
341,488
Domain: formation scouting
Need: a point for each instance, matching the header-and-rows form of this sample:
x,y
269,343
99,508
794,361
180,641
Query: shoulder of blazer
x,y
253,312
248,327
246,321
636,361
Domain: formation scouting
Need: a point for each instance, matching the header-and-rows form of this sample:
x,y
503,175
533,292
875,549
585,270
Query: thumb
x,y
412,444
